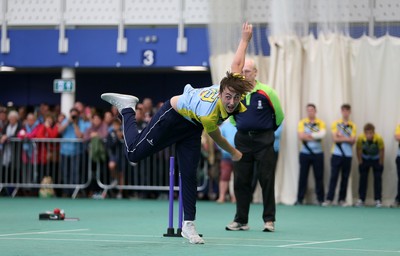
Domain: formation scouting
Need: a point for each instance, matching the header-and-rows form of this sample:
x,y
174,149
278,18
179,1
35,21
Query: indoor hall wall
x,y
96,47
32,88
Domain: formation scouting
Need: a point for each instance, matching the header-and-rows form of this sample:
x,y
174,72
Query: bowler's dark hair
x,y
235,82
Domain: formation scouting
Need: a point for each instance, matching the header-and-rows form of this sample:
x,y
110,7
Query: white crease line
x,y
322,242
258,239
82,240
230,245
208,238
115,235
133,242
44,232
347,249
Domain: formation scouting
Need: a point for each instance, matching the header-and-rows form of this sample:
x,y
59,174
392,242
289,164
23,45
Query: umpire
x,y
255,139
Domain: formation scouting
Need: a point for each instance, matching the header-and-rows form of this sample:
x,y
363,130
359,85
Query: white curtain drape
x,y
375,90
328,69
285,76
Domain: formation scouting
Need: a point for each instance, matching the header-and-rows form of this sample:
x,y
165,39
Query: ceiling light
x,y
6,69
191,68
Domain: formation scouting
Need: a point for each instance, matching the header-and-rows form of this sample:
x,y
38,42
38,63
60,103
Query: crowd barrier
x,y
41,163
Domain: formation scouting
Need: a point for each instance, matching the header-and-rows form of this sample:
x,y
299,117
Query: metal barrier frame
x,y
143,169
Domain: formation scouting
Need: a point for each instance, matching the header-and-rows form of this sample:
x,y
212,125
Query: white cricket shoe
x,y
327,203
378,203
235,226
121,101
189,232
269,226
360,203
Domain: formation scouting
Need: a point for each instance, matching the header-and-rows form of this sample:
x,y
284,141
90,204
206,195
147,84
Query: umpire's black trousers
x,y
258,152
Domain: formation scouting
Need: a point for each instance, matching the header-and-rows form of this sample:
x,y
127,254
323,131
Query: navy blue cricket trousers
x,y
339,164
317,162
168,127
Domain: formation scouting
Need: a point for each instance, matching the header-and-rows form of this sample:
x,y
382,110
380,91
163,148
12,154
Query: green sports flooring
x,y
136,227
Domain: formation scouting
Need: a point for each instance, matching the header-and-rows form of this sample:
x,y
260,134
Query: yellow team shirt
x,y
305,125
348,130
370,149
398,133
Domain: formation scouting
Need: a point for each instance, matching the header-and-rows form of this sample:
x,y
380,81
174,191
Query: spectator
x,y
108,120
37,156
10,130
48,151
42,112
30,157
60,119
95,136
277,141
226,164
114,111
22,112
84,113
98,129
115,149
148,110
140,117
3,119
209,158
71,152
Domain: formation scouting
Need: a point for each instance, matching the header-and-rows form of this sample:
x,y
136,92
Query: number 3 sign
x,y
148,57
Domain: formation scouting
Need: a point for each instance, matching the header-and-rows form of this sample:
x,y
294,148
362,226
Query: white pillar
x,y
67,98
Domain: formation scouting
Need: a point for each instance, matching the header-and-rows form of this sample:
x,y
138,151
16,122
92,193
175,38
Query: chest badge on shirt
x,y
150,142
259,105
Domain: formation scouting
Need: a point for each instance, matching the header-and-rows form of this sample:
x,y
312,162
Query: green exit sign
x,y
64,85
